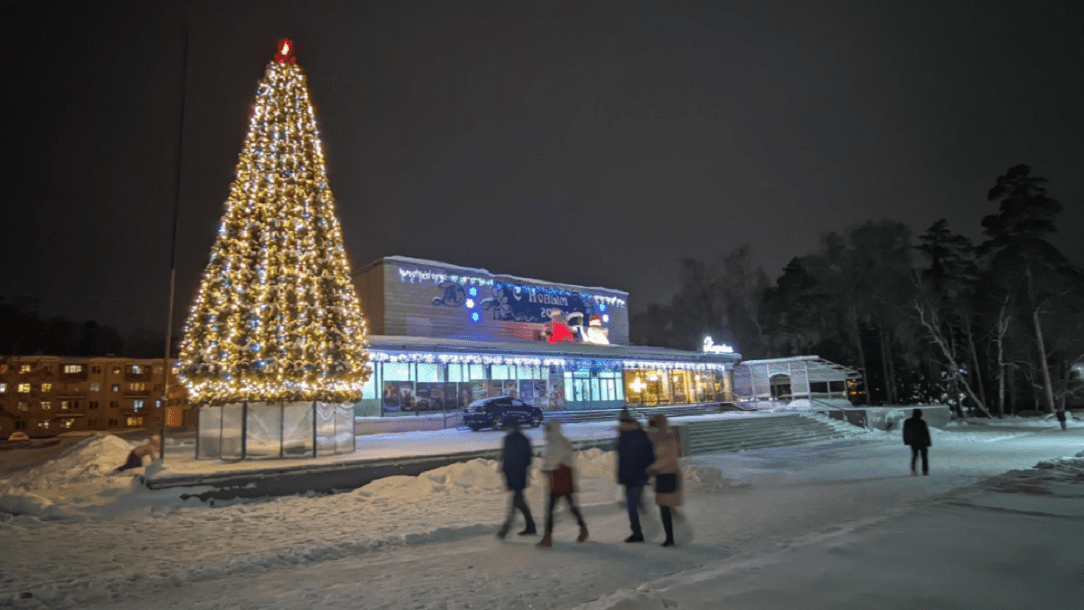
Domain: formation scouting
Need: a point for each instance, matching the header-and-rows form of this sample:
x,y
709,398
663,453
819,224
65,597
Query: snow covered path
x,y
842,525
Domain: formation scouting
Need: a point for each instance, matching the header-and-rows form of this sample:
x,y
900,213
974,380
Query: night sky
x,y
592,143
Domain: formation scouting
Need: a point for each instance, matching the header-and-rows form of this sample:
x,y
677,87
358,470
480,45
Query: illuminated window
x,y
3,368
136,369
24,388
3,388
24,368
23,406
116,370
44,424
135,421
137,405
95,387
116,387
137,387
73,368
66,423
46,405
46,387
64,405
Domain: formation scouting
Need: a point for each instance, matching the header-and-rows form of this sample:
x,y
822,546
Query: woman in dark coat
x,y
516,459
917,435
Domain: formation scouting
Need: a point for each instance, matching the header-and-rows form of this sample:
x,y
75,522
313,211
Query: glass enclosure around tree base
x,y
276,430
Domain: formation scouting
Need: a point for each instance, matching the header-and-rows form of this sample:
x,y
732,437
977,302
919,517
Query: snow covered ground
x,y
997,524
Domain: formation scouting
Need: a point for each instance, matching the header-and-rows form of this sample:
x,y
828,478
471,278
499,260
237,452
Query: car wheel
x,y
536,421
475,427
498,421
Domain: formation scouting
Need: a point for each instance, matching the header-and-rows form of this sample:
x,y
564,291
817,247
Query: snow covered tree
x,y
277,317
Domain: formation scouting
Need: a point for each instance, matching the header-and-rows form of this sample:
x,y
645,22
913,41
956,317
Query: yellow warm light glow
x,y
276,317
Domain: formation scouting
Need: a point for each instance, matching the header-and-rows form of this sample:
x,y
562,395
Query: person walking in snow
x,y
516,456
917,435
1061,417
135,456
557,464
667,472
635,454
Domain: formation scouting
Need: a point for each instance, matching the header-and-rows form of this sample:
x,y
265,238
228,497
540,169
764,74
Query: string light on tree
x,y
276,317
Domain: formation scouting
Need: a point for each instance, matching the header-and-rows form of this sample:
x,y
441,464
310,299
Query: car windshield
x,y
480,403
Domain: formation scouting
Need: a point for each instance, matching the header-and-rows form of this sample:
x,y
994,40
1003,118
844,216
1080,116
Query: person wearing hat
x,y
667,471
516,456
635,453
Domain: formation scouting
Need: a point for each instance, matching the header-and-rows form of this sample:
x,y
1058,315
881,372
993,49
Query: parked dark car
x,y
499,411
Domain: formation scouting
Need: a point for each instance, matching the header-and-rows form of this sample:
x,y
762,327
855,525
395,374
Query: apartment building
x,y
46,396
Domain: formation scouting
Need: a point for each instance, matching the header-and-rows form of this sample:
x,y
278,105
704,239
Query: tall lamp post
x,y
173,249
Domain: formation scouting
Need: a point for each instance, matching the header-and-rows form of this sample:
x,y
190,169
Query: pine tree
x,y
276,317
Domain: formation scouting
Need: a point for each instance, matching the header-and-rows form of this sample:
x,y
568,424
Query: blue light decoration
x,y
475,317
602,307
473,291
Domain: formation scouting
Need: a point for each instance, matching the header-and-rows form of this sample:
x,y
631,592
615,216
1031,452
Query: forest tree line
x,y
995,327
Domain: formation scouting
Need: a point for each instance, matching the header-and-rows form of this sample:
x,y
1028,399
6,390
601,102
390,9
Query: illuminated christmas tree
x,y
277,318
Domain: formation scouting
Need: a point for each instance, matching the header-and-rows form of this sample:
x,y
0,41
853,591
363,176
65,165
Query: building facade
x,y
444,336
46,396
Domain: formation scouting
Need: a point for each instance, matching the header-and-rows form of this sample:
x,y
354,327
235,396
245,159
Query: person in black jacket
x,y
516,457
917,435
635,453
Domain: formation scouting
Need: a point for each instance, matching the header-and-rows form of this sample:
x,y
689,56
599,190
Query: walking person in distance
x,y
916,434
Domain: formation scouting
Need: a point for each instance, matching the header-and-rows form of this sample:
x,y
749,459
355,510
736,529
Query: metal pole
x,y
173,247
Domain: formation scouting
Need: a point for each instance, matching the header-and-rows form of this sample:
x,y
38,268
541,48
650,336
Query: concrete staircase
x,y
573,417
760,432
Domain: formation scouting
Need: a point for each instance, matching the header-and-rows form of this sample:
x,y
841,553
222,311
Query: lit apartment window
x,y
64,405
46,405
3,388
95,387
24,368
66,423
138,386
135,421
137,405
136,369
116,370
73,368
44,424
116,387
23,406
46,387
157,370
3,368
24,388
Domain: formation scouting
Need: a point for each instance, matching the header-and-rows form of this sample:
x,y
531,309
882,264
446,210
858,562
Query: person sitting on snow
x,y
135,456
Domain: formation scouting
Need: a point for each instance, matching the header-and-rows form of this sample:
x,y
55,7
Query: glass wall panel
x,y
297,435
455,373
345,441
368,391
499,372
263,431
325,428
233,418
430,372
478,372
210,433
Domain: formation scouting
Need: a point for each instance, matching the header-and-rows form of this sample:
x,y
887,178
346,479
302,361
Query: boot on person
x,y
546,541
583,534
528,531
